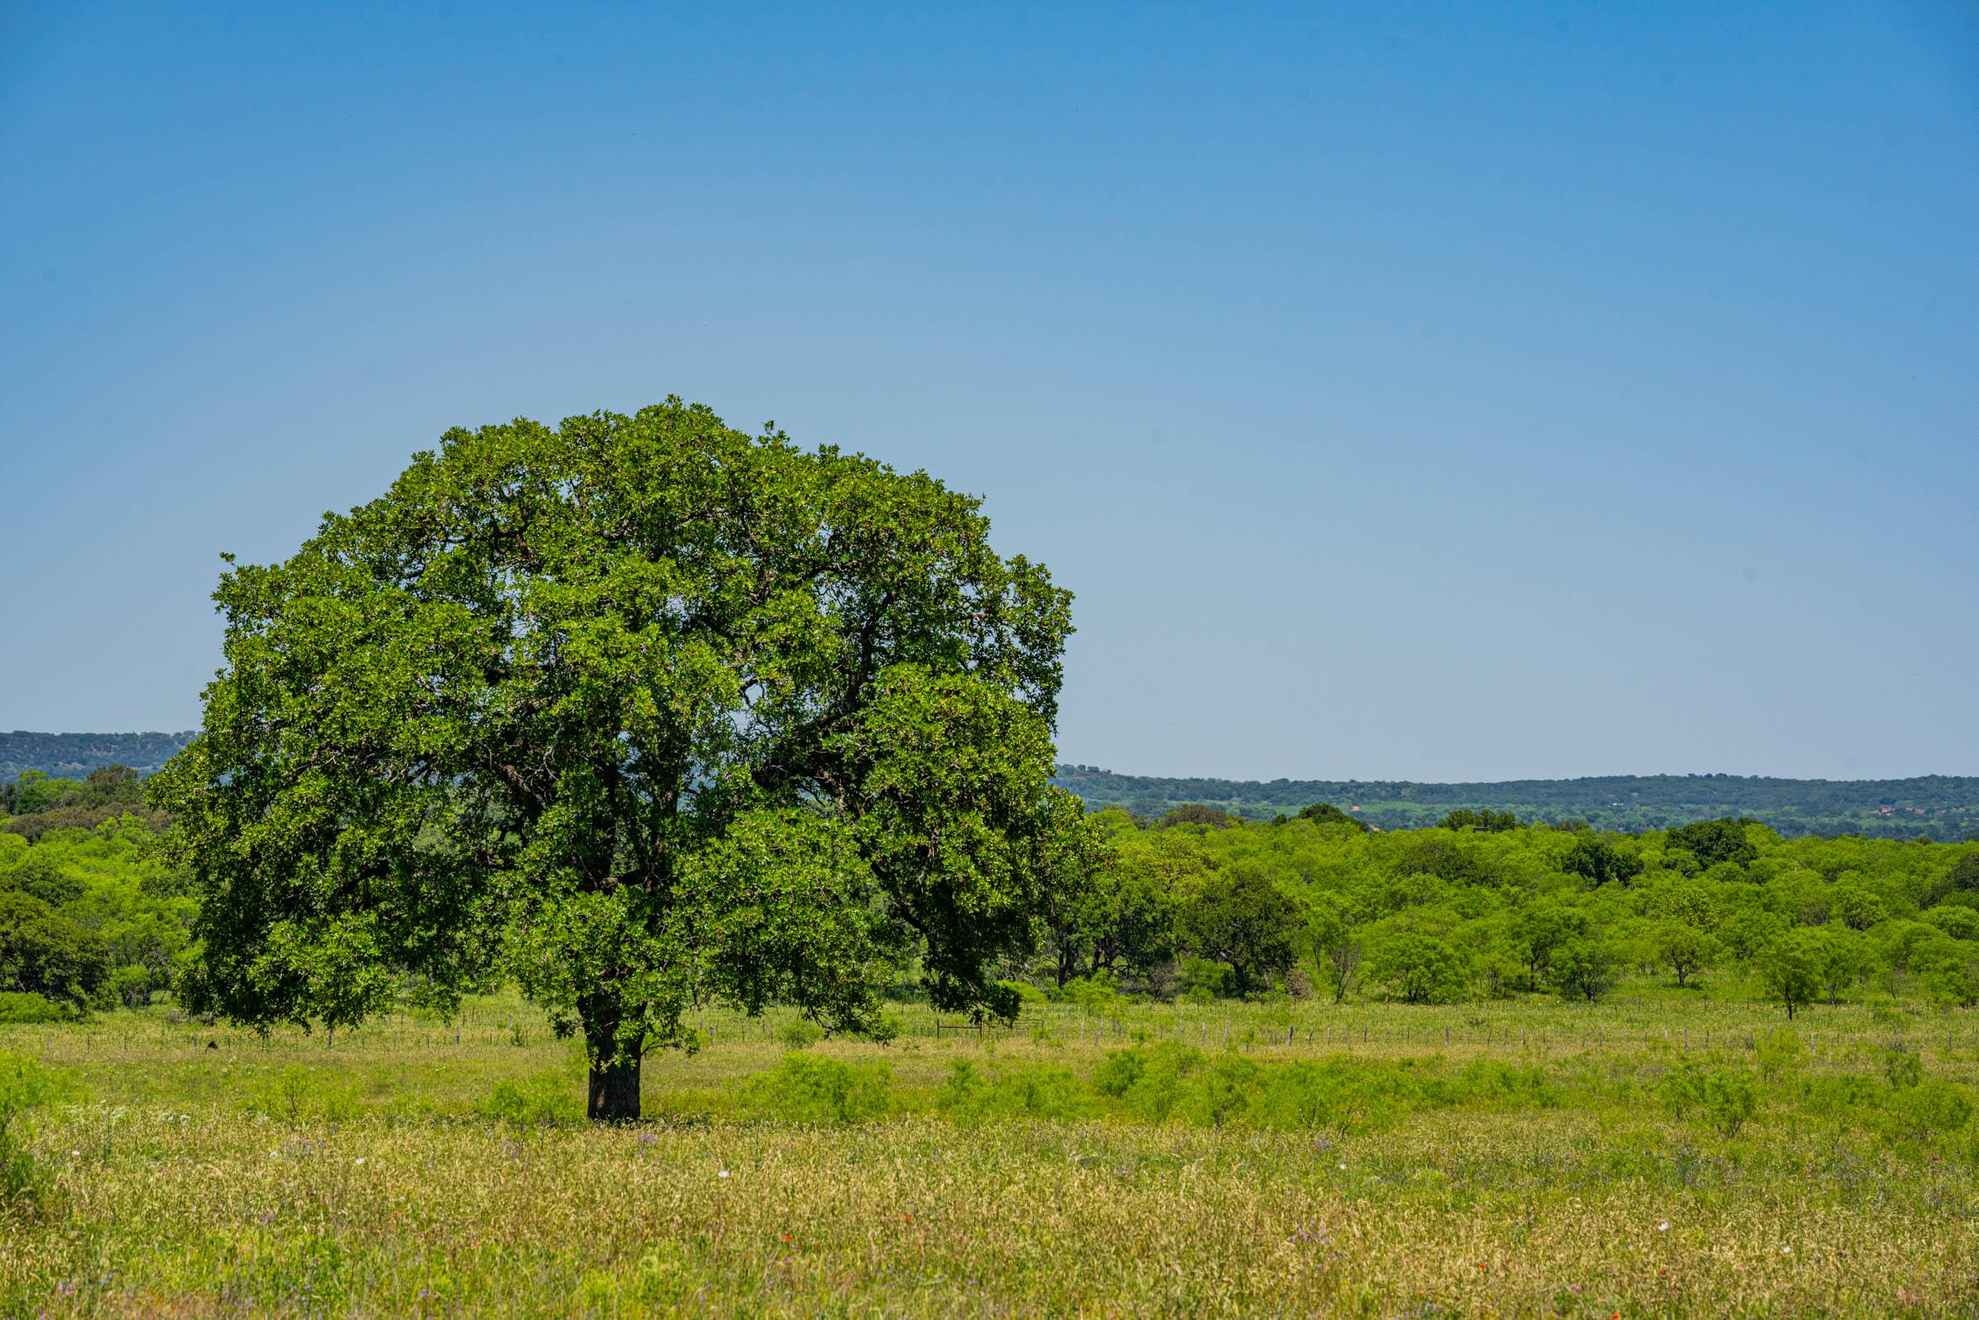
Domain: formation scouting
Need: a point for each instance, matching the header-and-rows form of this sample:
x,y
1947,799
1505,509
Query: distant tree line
x,y
74,755
91,915
1201,903
1933,806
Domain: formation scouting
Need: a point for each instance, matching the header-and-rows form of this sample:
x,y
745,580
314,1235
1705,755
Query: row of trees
x,y
1931,806
36,802
1203,905
90,917
1200,903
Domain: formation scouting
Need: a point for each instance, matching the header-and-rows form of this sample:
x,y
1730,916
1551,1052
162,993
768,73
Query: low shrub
x,y
800,1033
1931,1107
1222,1092
1902,1066
1722,1097
1841,1095
1168,1081
21,1009
1729,1101
807,1089
1779,1053
1094,994
1150,1082
297,1094
971,1096
25,1186
1203,980
545,1099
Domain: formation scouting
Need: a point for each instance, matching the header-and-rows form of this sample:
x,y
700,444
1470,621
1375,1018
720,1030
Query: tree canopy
x,y
641,711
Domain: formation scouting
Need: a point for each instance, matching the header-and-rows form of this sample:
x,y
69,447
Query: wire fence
x,y
1546,1030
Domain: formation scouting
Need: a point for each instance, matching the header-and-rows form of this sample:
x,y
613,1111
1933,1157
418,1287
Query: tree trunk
x,y
614,1091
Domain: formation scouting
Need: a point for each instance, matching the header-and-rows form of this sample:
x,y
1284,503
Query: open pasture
x,y
1523,1158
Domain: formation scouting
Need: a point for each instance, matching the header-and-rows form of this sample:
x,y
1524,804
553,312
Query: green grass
x,y
1519,1158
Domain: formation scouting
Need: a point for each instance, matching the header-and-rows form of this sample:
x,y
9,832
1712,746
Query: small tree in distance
x,y
1483,820
1419,969
1242,920
642,712
1336,947
1791,968
1325,813
1685,950
1584,969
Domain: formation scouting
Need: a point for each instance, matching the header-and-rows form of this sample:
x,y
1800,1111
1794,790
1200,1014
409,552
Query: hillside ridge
x,y
1944,807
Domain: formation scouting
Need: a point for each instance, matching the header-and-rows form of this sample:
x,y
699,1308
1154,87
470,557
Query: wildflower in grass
x,y
722,1174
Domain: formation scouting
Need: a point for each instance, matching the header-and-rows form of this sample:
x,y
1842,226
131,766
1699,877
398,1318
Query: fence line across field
x,y
1047,1025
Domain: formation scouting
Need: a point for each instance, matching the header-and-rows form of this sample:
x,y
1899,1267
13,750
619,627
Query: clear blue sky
x,y
1437,391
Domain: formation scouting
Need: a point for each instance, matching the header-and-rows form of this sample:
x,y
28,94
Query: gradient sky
x,y
1439,391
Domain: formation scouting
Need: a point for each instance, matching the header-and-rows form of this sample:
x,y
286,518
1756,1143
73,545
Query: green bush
x,y
1418,969
1203,979
1778,1053
1840,1095
1902,1066
1931,1107
1149,1082
131,985
25,1186
19,1008
1170,1081
1961,923
546,1099
971,1096
1222,1092
297,1094
1118,1072
1728,1101
800,1033
45,953
1682,1089
1722,1097
1584,969
807,1089
1095,994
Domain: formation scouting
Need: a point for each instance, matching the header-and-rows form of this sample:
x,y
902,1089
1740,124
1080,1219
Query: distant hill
x,y
74,755
1944,807
1933,806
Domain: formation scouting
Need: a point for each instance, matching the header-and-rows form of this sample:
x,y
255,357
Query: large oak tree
x,y
642,712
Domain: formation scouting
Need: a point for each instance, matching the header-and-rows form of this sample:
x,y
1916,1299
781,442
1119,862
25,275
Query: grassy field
x,y
1656,1154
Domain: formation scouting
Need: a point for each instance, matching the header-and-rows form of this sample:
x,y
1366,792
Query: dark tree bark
x,y
613,1096
614,1091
